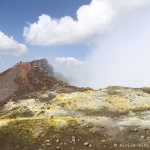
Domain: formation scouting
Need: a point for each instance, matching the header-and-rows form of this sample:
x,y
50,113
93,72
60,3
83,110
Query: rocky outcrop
x,y
26,77
44,66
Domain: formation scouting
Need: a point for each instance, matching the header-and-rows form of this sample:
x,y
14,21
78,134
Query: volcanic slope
x,y
113,118
27,77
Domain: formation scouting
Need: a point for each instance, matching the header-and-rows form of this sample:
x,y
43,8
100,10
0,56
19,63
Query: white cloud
x,y
131,4
73,69
92,21
69,61
122,56
8,46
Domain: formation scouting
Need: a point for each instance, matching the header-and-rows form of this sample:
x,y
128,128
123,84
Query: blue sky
x,y
96,43
14,16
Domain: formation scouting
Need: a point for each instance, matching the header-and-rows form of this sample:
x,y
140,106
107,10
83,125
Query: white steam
x,y
120,33
69,61
122,56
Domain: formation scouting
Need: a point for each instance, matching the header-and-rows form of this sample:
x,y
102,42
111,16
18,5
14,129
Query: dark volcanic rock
x,y
44,66
27,77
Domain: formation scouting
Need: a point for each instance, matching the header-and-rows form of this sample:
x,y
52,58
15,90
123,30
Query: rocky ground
x,y
112,118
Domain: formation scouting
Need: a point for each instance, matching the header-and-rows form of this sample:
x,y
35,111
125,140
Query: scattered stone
x,y
73,139
103,141
48,144
143,137
58,147
57,141
47,140
38,133
86,143
135,129
146,129
34,67
90,145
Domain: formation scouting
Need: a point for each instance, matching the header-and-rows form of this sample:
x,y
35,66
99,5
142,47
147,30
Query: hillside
x,y
40,112
27,77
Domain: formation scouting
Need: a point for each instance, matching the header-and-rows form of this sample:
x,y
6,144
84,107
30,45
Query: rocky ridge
x,y
26,77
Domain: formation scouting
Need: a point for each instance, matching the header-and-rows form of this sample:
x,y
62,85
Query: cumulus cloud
x,y
92,21
8,46
69,61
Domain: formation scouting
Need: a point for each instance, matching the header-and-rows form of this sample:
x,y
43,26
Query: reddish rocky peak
x,y
26,77
43,65
23,68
